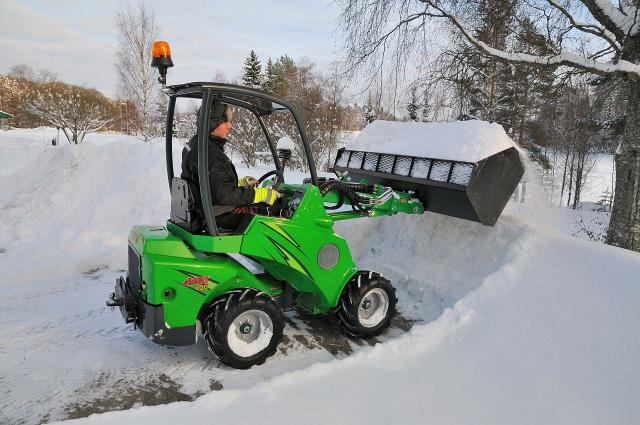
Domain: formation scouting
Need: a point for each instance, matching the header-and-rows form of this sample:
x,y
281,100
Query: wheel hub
x,y
250,332
373,308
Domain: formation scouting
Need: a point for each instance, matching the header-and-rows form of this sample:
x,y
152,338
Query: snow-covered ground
x,y
517,323
600,179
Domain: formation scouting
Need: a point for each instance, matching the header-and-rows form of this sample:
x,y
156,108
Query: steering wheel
x,y
267,175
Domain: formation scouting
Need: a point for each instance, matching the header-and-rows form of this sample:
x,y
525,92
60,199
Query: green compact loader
x,y
230,286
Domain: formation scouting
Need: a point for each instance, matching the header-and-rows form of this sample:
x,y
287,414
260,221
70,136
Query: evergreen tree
x,y
270,77
479,82
412,106
369,114
530,88
425,107
252,71
286,76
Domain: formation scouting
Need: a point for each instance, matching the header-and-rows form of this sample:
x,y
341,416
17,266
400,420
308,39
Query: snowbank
x,y
516,323
549,337
468,141
71,207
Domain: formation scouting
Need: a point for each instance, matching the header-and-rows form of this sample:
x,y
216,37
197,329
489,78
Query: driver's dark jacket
x,y
223,179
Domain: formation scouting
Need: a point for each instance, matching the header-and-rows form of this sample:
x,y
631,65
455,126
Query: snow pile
x,y
515,323
467,141
78,203
14,143
71,206
549,337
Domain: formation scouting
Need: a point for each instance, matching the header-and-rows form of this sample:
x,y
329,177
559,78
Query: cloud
x,y
28,37
22,24
77,38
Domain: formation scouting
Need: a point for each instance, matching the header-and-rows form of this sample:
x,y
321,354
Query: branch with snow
x,y
593,29
615,20
564,58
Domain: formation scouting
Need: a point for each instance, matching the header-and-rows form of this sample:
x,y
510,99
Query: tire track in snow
x,y
101,352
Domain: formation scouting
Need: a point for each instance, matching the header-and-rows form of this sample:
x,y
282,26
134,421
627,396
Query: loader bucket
x,y
476,191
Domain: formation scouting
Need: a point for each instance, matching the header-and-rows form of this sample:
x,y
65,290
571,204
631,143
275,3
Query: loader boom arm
x,y
382,201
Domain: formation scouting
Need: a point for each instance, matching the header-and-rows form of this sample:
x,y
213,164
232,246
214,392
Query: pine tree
x,y
479,82
412,106
270,77
286,76
252,71
425,107
369,114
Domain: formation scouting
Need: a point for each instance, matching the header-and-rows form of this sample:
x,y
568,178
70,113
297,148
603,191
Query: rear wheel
x,y
367,304
243,328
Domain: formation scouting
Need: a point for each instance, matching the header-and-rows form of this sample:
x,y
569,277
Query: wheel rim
x,y
373,308
250,333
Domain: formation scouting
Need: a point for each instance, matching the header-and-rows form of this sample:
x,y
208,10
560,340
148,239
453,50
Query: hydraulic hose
x,y
343,187
350,191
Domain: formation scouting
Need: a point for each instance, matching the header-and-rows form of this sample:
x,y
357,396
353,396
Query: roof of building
x,y
5,115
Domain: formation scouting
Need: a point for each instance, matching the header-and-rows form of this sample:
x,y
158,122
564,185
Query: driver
x,y
232,198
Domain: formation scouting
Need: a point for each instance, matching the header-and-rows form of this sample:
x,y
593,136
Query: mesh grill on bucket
x,y
386,163
370,161
356,159
403,165
420,168
440,171
342,159
461,173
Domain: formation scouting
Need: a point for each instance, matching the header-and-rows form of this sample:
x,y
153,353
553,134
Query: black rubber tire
x,y
221,315
352,295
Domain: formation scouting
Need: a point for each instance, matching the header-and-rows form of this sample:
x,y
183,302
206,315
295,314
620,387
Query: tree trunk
x,y
573,157
624,227
64,130
564,176
578,185
524,110
492,85
580,164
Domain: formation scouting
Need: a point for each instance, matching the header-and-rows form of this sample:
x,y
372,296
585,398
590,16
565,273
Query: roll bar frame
x,y
209,92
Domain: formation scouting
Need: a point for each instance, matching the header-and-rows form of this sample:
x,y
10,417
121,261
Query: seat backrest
x,y
183,210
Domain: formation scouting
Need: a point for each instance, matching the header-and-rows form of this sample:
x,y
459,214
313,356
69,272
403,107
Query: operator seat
x,y
183,208
184,212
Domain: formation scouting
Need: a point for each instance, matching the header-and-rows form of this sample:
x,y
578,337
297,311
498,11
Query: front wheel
x,y
243,328
367,304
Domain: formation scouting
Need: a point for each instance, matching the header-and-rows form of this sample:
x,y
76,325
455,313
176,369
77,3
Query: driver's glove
x,y
266,194
248,181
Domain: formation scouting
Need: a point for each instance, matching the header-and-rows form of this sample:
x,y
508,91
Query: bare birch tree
x,y
591,36
136,32
75,110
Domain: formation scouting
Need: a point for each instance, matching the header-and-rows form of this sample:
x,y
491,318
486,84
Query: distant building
x,y
4,120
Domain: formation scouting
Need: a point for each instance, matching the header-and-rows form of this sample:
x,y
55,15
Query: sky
x,y
77,38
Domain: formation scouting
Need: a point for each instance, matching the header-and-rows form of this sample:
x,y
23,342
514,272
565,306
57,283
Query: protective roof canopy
x,y
229,93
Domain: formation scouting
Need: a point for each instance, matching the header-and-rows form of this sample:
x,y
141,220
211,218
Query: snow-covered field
x,y
517,323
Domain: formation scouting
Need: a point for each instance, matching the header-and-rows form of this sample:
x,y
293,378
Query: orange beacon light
x,y
161,59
